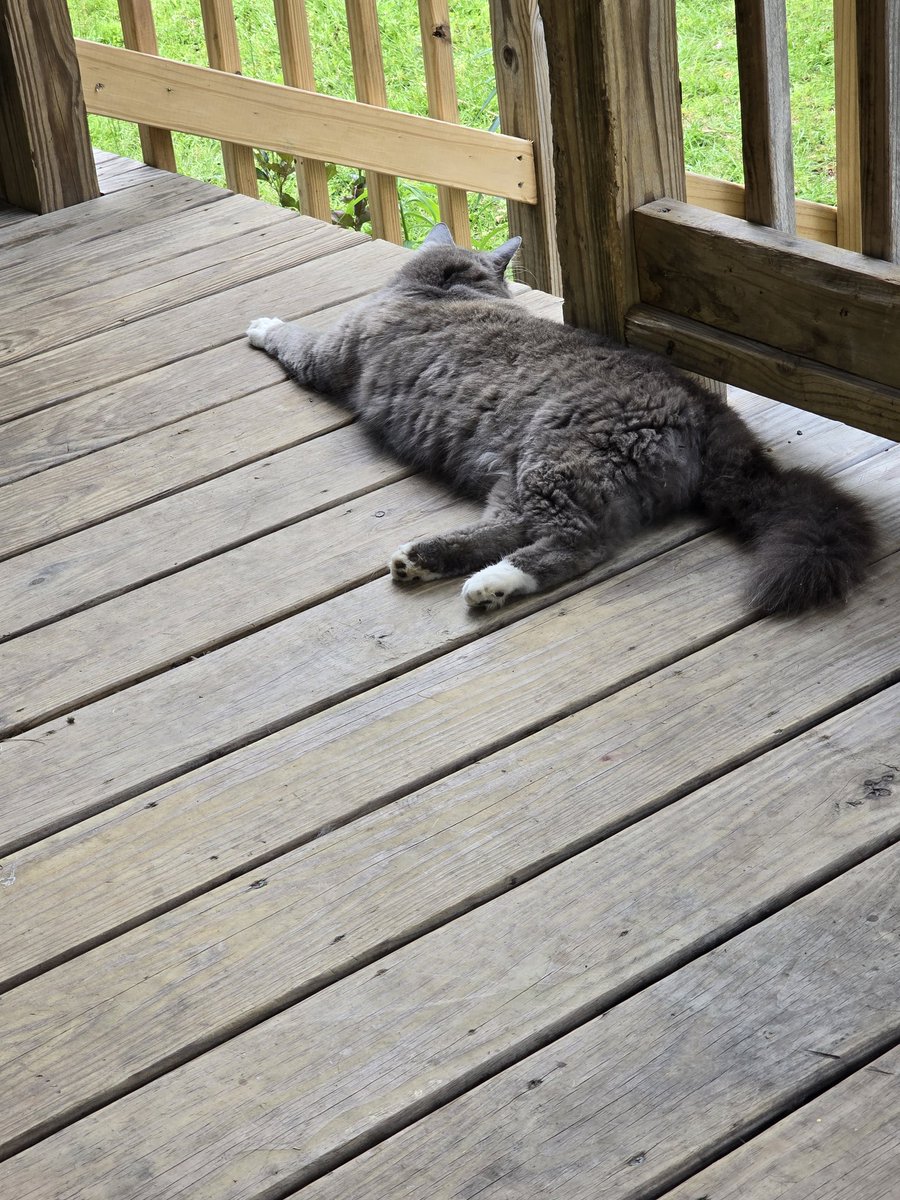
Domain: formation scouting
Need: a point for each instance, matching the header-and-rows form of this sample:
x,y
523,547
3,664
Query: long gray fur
x,y
572,441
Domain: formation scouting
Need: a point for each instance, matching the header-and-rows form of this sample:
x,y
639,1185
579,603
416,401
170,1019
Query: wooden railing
x,y
745,301
741,300
161,96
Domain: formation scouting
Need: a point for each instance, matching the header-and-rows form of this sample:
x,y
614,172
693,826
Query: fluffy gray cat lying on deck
x,y
572,441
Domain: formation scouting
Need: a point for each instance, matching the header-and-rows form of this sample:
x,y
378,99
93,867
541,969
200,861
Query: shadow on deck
x,y
303,869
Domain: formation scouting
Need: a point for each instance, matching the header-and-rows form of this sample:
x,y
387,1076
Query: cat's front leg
x,y
296,348
259,330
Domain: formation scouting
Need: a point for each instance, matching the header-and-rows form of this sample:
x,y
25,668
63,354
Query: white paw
x,y
404,567
493,586
257,330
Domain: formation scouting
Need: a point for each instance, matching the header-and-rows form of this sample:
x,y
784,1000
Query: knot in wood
x,y
510,58
441,31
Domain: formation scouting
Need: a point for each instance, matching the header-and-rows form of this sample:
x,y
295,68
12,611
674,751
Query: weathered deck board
x,y
270,906
691,1066
474,997
416,864
327,770
83,656
840,1146
166,286
53,271
213,320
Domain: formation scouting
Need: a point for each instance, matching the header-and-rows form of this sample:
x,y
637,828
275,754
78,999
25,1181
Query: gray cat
x,y
572,441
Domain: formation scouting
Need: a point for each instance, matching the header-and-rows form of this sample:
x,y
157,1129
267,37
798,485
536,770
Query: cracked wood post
x,y
617,138
45,150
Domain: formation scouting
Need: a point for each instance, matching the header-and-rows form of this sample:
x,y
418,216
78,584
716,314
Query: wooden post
x,y
45,151
878,69
523,97
139,33
617,143
765,87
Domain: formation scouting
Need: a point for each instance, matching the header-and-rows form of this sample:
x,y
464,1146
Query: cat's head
x,y
440,267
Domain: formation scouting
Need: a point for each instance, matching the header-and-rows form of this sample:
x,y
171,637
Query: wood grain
x,y
368,79
243,246
841,1145
139,33
94,652
413,865
846,116
45,150
639,1098
440,87
351,265
297,70
765,91
523,100
746,363
350,1079
327,769
878,89
821,302
223,54
816,221
617,143
248,111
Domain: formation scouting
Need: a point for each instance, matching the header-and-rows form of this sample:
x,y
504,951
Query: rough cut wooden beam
x,y
820,302
45,151
769,372
137,87
766,112
617,142
139,33
878,71
523,97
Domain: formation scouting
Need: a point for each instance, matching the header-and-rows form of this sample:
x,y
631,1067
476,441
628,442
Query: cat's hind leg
x,y
458,552
533,568
571,526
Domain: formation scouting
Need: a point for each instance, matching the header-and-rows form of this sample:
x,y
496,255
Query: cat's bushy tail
x,y
812,542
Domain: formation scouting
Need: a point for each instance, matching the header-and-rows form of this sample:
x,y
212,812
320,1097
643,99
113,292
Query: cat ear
x,y
503,255
439,235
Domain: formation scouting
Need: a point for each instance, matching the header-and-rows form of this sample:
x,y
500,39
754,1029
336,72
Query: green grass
x,y
708,70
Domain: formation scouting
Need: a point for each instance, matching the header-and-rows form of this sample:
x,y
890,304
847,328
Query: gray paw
x,y
406,565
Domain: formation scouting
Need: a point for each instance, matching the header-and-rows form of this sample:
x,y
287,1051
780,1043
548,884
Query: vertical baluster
x,y
223,54
368,81
766,113
297,70
523,97
440,82
878,71
846,112
139,33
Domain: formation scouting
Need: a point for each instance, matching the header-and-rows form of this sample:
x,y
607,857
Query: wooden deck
x,y
313,883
